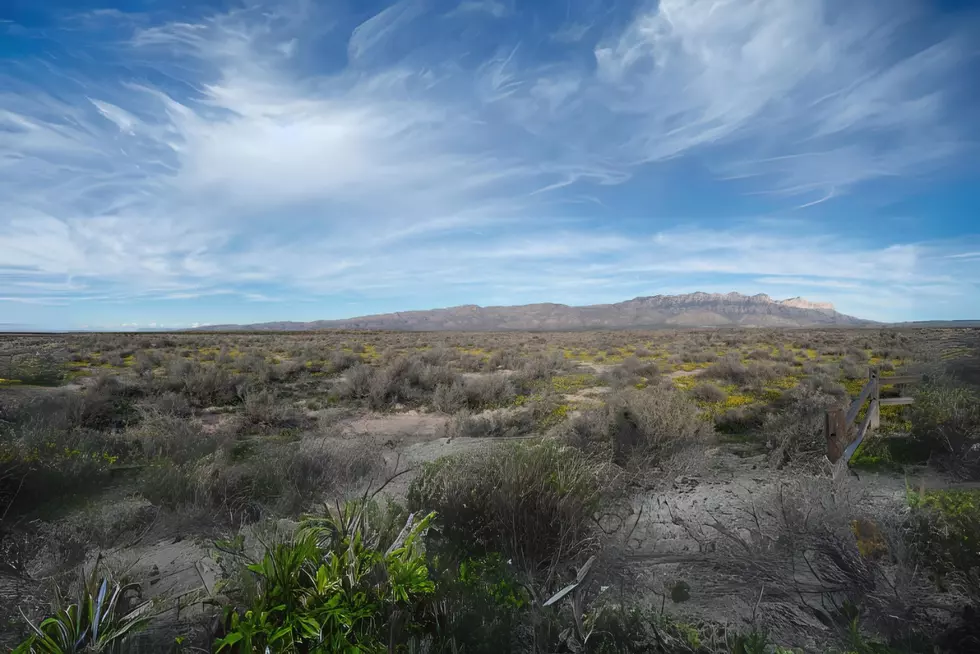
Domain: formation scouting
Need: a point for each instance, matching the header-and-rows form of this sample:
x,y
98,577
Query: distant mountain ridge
x,y
689,310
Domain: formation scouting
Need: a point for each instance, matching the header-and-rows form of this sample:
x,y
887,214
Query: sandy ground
x,y
400,428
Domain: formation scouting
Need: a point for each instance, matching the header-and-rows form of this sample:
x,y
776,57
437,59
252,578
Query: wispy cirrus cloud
x,y
431,155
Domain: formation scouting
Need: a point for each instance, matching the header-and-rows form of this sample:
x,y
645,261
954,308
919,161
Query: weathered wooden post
x,y
835,430
875,399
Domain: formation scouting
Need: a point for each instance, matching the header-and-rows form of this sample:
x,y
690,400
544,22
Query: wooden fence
x,y
843,436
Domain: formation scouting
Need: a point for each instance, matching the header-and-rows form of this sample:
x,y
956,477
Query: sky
x,y
171,163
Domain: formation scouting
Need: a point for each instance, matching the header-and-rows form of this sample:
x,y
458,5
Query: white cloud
x,y
374,34
427,162
492,7
124,120
817,91
571,33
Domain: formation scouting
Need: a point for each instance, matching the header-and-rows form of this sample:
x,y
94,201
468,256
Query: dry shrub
x,y
630,372
946,420
106,404
825,384
794,431
504,360
168,403
653,426
697,356
944,529
261,408
165,435
405,380
489,391
741,419
543,366
145,362
450,398
46,454
852,370
708,392
203,385
286,371
533,503
253,362
822,558
754,374
439,355
634,366
341,361
470,362
729,368
278,478
640,428
497,423
357,381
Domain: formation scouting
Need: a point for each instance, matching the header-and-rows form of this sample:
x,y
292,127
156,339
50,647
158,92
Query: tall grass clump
x,y
530,502
640,429
946,419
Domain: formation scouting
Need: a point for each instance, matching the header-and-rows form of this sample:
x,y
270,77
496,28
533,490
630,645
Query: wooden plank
x,y
901,379
835,432
856,405
862,431
895,401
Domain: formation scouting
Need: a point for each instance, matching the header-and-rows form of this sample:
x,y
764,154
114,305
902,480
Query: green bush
x,y
45,456
946,419
332,589
530,502
946,534
32,369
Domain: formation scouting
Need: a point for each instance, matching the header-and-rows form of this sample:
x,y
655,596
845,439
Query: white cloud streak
x,y
230,159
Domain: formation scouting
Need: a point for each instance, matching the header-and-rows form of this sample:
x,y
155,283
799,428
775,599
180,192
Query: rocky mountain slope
x,y
690,310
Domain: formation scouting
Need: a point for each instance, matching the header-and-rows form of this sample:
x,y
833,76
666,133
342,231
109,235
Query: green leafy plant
x,y
332,588
101,619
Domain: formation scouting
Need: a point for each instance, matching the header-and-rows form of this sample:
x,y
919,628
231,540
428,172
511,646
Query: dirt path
x,y
400,428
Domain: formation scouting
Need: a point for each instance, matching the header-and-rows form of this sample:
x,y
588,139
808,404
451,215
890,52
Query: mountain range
x,y
689,310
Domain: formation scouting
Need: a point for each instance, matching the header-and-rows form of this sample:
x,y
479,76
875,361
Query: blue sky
x,y
172,163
